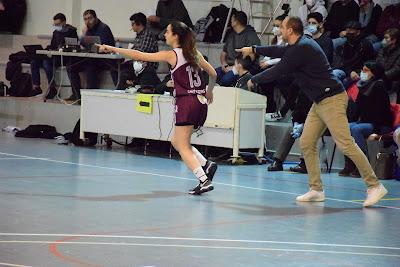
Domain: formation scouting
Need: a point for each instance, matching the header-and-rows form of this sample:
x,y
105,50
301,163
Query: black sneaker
x,y
202,187
210,168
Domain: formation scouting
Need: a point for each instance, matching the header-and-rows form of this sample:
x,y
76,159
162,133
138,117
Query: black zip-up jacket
x,y
307,62
58,39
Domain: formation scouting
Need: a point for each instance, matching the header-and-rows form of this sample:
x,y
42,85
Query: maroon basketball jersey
x,y
187,80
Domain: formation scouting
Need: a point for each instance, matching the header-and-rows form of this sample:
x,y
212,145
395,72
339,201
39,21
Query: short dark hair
x,y
90,12
394,34
376,69
59,16
281,17
241,17
245,62
317,16
139,19
296,24
353,25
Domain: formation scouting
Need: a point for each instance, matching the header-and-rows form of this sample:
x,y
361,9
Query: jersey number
x,y
194,77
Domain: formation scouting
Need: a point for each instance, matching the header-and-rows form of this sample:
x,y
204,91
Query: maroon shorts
x,y
190,111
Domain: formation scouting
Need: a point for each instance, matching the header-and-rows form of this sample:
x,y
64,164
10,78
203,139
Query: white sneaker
x,y
276,116
374,195
312,196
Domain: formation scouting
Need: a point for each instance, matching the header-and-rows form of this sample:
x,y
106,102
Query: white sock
x,y
200,174
199,156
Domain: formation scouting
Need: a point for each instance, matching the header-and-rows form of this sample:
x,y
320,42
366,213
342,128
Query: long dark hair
x,y
187,42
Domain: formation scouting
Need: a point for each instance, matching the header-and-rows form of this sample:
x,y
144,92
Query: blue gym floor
x,y
69,206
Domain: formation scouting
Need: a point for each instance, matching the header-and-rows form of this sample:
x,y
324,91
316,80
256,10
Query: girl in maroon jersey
x,y
190,93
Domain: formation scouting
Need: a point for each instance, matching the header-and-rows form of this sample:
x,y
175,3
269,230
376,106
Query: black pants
x,y
92,68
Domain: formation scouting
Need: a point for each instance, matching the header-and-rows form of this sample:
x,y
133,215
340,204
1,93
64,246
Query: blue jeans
x,y
341,75
47,65
226,79
360,131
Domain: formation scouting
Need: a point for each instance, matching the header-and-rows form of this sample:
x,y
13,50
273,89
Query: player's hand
x,y
105,48
210,97
246,51
153,19
250,85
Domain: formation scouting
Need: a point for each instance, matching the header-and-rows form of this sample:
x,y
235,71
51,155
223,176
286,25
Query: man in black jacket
x,y
61,30
316,80
92,67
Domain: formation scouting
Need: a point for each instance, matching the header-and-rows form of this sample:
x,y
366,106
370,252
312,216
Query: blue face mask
x,y
312,28
57,28
364,76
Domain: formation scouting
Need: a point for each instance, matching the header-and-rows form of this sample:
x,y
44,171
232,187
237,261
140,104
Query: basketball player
x,y
191,95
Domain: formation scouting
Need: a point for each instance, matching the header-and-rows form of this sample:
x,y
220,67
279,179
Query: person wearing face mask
x,y
339,15
145,41
389,59
353,54
242,35
311,6
315,28
373,111
60,30
304,58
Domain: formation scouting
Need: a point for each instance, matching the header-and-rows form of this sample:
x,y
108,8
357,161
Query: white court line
x,y
201,239
14,265
190,179
18,158
197,246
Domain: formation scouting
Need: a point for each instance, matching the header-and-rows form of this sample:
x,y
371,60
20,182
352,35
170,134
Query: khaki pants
x,y
331,113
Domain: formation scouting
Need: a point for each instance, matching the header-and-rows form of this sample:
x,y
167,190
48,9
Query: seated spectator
x,y
145,41
302,106
353,54
311,6
242,69
373,111
61,30
339,15
315,27
389,59
92,67
266,62
389,19
241,36
167,11
370,14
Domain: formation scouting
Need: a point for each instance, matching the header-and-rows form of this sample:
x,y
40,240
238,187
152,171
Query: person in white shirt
x,y
312,6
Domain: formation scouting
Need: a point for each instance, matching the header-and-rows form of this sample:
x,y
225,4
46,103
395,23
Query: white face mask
x,y
57,28
276,31
364,76
138,66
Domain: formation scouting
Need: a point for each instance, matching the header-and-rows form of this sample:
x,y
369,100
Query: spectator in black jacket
x,y
389,59
373,110
167,11
92,67
370,13
353,54
315,27
339,15
61,30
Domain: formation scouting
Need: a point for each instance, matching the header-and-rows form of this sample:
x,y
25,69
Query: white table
x,y
235,120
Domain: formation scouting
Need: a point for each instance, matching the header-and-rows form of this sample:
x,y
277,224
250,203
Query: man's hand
x,y
246,51
209,96
84,30
250,85
342,34
153,19
105,48
354,76
263,65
